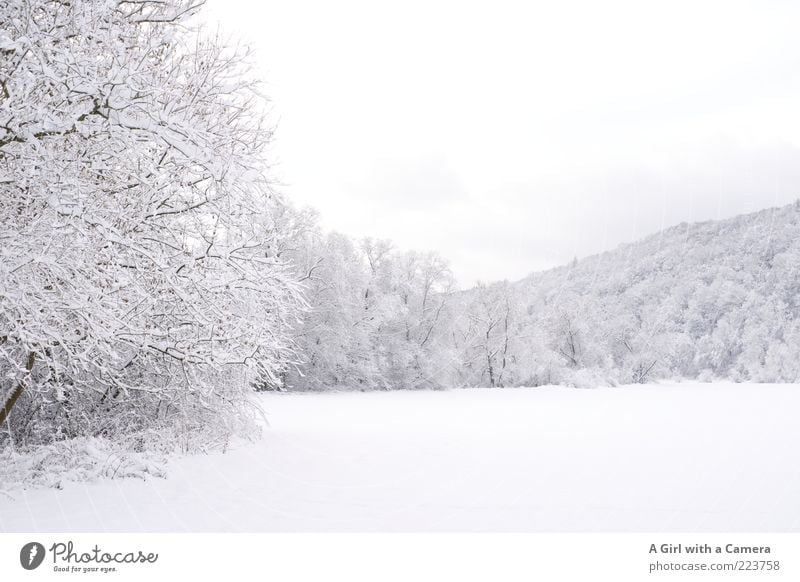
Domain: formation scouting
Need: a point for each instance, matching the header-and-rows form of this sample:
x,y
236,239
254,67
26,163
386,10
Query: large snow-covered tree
x,y
139,278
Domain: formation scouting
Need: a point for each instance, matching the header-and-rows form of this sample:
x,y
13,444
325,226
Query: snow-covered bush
x,y
79,459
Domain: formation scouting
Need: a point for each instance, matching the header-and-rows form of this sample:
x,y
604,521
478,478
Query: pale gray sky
x,y
513,136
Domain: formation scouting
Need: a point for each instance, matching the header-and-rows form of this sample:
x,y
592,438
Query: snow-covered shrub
x,y
80,459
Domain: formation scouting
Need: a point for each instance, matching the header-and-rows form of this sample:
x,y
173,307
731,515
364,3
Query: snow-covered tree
x,y
139,278
491,334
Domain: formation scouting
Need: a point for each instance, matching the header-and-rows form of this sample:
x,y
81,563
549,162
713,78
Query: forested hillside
x,y
707,300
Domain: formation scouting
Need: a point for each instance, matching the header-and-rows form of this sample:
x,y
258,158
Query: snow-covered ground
x,y
677,457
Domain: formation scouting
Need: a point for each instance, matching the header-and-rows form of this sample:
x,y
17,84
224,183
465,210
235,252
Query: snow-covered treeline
x,y
709,300
139,284
378,318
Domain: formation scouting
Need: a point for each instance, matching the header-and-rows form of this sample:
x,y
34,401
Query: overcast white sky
x,y
513,136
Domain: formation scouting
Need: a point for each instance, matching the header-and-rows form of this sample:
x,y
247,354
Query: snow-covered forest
x,y
153,278
714,300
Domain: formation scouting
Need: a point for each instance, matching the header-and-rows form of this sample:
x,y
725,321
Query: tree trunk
x,y
12,400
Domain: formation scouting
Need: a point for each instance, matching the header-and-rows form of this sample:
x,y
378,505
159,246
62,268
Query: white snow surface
x,y
672,457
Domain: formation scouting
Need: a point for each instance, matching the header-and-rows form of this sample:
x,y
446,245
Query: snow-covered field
x,y
677,457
